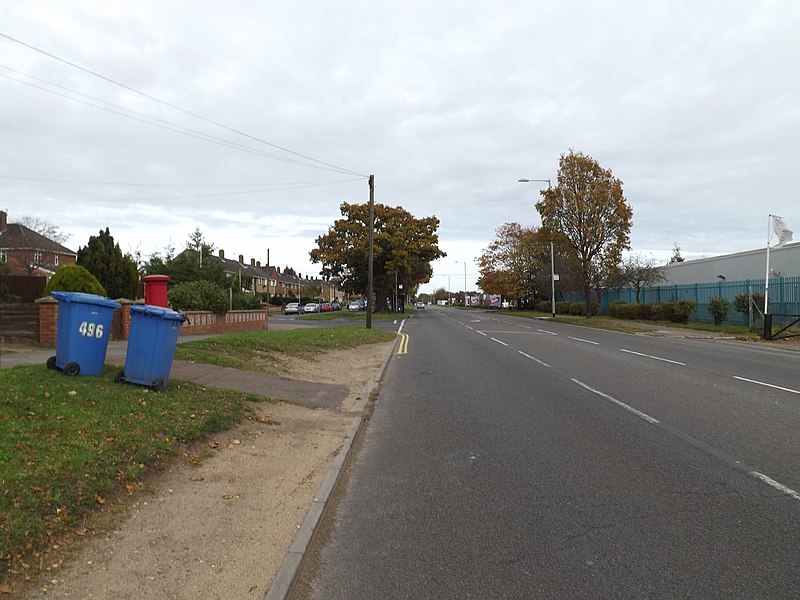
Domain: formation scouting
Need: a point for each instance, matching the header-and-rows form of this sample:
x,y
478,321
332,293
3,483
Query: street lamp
x,y
465,282
552,259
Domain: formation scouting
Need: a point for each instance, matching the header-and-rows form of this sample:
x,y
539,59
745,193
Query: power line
x,y
165,103
182,185
154,121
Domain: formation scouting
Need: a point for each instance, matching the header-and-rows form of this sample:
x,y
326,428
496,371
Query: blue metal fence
x,y
784,297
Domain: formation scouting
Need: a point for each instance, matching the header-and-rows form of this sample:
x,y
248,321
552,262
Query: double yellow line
x,y
403,349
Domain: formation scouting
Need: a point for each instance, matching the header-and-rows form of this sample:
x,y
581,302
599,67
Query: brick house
x,y
30,253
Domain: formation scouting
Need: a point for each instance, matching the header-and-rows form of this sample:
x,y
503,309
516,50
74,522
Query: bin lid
x,y
83,298
158,311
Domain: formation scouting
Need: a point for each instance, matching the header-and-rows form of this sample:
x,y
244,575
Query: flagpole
x,y
766,277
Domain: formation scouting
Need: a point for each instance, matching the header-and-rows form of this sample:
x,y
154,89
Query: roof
x,y
19,237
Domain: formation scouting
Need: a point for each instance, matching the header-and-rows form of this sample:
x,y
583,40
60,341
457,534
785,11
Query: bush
x,y
742,302
562,308
544,306
658,311
198,295
644,312
719,308
577,309
683,310
74,278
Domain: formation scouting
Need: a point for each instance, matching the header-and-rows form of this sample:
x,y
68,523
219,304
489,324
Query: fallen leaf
x,y
72,393
198,478
100,499
5,589
213,445
227,497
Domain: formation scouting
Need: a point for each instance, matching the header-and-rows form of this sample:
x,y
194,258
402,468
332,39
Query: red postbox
x,y
155,290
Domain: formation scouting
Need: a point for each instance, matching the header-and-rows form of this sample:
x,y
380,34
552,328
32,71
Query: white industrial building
x,y
741,266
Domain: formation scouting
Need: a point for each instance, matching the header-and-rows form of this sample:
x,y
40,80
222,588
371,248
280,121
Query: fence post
x,y
768,326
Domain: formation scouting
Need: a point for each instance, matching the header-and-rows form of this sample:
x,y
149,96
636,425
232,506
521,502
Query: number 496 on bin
x,y
94,330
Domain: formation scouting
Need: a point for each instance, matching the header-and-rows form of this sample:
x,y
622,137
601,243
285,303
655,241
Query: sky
x,y
255,121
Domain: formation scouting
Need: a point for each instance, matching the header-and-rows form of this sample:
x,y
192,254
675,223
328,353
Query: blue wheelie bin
x,y
84,325
151,345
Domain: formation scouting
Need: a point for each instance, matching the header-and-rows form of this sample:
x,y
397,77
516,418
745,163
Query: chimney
x,y
222,254
278,270
258,264
3,220
241,259
253,262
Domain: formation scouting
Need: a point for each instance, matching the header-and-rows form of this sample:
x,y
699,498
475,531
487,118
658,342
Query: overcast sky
x,y
694,105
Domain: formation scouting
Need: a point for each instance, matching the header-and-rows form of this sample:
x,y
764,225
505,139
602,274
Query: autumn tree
x,y
637,272
589,215
116,272
516,264
404,247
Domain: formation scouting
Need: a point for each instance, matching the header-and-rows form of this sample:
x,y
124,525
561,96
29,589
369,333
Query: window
x,y
37,257
3,256
55,259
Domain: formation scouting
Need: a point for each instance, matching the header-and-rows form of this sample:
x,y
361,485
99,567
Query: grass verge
x,y
259,350
68,446
630,326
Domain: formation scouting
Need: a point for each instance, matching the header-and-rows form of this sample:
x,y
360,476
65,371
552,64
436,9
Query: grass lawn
x,y
72,446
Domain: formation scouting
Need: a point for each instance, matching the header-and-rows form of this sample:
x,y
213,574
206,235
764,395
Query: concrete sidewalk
x,y
316,395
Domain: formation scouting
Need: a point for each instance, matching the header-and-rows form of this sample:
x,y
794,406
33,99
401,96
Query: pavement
x,y
316,395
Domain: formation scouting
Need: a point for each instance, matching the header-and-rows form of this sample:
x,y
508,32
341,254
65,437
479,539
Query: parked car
x,y
311,307
419,305
356,305
335,306
325,307
293,308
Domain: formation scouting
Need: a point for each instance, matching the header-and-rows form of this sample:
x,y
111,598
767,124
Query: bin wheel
x,y
51,363
72,368
119,377
158,385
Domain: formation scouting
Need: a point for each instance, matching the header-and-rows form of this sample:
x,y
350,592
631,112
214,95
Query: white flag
x,y
784,233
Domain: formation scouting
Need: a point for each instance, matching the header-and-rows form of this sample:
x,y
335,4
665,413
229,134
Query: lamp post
x,y
465,281
552,259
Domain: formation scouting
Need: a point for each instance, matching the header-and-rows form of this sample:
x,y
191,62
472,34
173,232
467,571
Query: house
x,y
30,253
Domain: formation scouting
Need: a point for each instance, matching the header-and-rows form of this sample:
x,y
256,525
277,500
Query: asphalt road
x,y
510,458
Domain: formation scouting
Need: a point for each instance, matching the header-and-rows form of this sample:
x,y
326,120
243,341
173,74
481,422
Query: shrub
x,y
614,308
658,311
683,310
719,308
742,302
544,306
644,312
74,278
198,295
562,308
577,309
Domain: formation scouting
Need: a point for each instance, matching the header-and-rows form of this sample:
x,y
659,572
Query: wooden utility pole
x,y
371,241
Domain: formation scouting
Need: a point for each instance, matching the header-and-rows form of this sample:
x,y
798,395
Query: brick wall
x,y
198,323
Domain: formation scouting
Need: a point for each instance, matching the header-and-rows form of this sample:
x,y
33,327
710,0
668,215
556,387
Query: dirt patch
x,y
221,528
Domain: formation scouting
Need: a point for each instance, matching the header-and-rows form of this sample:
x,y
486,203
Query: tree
x,y
589,215
117,272
516,264
637,272
403,249
440,294
676,255
43,228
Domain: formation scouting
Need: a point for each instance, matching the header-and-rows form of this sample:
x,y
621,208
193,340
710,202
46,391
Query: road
x,y
512,458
